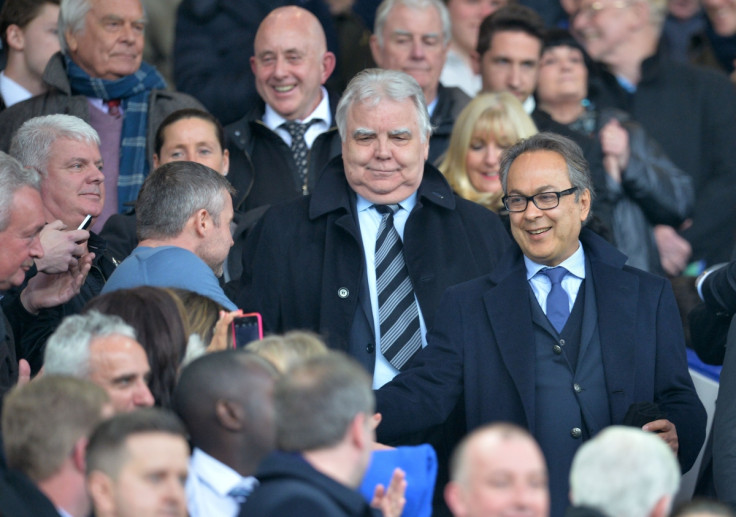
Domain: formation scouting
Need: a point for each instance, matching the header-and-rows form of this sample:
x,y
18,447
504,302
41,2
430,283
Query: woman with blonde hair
x,y
487,125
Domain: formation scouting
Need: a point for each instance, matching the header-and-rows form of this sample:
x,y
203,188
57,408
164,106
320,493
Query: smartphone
x,y
246,328
86,223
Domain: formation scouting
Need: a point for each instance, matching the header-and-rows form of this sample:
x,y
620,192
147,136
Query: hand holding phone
x,y
246,328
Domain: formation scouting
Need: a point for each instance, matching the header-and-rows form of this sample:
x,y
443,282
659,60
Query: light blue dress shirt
x,y
369,219
541,284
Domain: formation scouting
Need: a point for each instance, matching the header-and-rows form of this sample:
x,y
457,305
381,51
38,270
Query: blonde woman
x,y
489,124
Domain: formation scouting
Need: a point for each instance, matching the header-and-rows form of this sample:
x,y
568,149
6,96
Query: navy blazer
x,y
482,344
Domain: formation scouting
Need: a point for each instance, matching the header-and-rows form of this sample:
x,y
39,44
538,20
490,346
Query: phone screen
x,y
247,328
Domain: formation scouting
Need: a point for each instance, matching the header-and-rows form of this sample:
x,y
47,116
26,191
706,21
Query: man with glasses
x,y
562,338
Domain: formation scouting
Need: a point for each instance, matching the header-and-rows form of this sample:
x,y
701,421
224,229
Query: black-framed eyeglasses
x,y
543,200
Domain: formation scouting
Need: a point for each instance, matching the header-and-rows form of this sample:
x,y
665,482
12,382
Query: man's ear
x,y
16,38
156,161
328,65
475,62
357,430
454,499
201,220
101,490
71,41
230,415
375,50
225,162
79,454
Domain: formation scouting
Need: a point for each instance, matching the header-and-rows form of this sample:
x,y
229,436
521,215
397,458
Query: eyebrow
x,y
361,131
402,32
400,131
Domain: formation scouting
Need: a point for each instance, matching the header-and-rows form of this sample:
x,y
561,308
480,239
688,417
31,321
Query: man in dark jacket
x,y
314,263
278,150
65,149
323,417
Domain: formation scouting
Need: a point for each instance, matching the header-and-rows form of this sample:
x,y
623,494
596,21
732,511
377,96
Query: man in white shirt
x,y
225,401
286,140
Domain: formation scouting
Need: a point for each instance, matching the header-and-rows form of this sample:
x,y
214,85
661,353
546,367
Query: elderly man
x,y
184,212
625,472
65,150
99,77
45,426
104,350
413,36
279,149
502,452
695,129
325,432
21,221
562,338
319,263
225,400
28,33
137,465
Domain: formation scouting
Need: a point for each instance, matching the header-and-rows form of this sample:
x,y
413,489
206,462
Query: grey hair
x,y
13,177
31,144
67,350
72,14
319,398
384,9
172,193
71,19
577,166
373,85
623,472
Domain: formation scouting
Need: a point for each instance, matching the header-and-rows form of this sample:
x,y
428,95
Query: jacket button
x,y
343,292
577,388
370,348
557,349
576,432
562,342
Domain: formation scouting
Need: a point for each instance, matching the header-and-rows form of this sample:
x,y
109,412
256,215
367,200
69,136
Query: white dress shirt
x,y
273,121
12,92
208,485
369,220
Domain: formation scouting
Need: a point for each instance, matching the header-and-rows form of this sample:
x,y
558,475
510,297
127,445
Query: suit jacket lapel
x,y
617,304
514,333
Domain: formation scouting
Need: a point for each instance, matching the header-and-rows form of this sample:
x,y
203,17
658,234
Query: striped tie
x,y
397,309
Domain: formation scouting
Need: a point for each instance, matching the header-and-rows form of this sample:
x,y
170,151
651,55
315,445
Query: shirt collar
x,y
575,264
11,91
407,204
216,474
272,120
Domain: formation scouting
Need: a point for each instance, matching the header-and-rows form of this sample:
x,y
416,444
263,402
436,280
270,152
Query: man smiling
x,y
562,338
279,149
99,77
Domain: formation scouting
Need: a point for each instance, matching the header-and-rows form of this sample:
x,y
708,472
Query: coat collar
x,y
332,192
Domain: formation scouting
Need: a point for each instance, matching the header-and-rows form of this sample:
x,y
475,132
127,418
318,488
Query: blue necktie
x,y
558,303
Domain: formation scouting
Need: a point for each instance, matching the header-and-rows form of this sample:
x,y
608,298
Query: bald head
x,y
495,470
225,400
291,62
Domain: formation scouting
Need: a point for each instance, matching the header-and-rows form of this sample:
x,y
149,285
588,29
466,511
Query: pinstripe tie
x,y
397,309
299,148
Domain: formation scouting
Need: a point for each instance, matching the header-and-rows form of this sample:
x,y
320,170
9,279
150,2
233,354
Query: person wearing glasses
x,y
562,338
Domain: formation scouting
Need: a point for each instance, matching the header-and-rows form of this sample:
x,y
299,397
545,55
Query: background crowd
x,y
481,235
